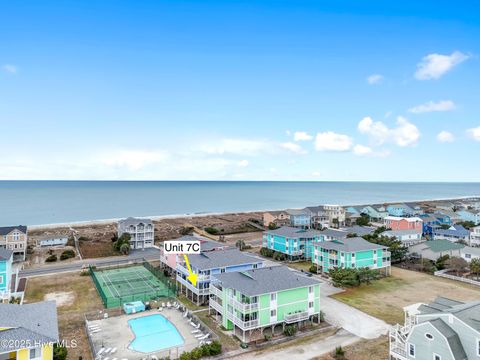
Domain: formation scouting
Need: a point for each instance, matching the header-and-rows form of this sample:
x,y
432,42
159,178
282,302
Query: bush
x,y
211,230
266,252
51,258
215,348
339,353
272,226
83,238
278,256
313,269
67,254
290,330
59,352
186,230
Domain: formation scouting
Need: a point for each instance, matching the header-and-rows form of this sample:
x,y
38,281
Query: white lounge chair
x,y
153,357
160,308
106,358
101,351
197,326
195,331
199,336
95,331
163,304
108,350
186,314
169,305
204,337
114,350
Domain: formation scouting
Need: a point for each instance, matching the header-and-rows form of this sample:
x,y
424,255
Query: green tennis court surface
x,y
124,284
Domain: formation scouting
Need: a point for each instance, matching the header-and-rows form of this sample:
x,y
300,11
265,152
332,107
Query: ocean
x,y
53,202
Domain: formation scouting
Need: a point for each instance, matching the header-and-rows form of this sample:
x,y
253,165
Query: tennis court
x,y
119,285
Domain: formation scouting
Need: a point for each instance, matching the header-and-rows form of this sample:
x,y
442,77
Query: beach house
x,y
400,210
435,249
445,329
14,238
376,212
278,218
300,218
169,261
336,215
475,236
470,215
6,260
208,264
350,253
264,301
318,217
402,223
141,232
454,233
28,331
469,253
408,237
293,242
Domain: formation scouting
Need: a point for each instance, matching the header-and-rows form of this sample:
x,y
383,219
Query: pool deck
x,y
116,333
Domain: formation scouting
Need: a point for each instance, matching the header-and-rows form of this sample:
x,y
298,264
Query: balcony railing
x,y
215,291
215,305
243,307
184,270
197,291
245,325
292,318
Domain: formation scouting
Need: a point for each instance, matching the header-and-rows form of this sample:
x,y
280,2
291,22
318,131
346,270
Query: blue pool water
x,y
154,333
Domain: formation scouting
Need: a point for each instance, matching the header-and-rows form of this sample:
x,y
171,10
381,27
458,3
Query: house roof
x,y
349,245
359,230
5,230
401,232
259,281
452,339
297,212
292,232
454,230
205,244
5,254
339,234
440,245
471,250
399,218
36,322
134,221
221,258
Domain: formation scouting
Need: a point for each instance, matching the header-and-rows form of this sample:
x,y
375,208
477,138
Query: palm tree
x,y
125,249
475,267
240,244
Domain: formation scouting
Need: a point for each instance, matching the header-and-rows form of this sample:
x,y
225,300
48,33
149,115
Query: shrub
x,y
313,269
211,230
266,252
339,353
272,226
83,238
67,254
215,348
279,256
51,258
59,352
290,330
186,230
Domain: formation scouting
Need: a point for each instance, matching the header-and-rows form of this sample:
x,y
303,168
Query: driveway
x,y
349,318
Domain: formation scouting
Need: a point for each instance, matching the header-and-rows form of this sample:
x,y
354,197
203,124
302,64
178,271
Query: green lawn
x,y
302,265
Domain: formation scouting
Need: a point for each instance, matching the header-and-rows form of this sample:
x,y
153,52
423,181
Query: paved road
x,y
148,254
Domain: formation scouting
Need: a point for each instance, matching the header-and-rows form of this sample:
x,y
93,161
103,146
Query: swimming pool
x,y
154,333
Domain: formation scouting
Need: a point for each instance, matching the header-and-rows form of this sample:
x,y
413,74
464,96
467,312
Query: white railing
x,y
215,305
243,307
292,318
215,291
244,325
197,291
442,273
184,270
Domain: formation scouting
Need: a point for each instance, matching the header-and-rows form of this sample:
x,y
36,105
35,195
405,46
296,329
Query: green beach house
x,y
350,253
264,301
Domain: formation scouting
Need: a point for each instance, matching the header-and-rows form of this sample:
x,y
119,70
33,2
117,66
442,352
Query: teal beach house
x,y
264,301
350,253
6,259
295,243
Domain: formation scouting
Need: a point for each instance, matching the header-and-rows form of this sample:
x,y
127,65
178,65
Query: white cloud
x,y
445,137
404,134
431,106
362,150
242,163
474,133
330,141
302,136
375,79
295,148
434,66
133,159
9,68
316,173
237,147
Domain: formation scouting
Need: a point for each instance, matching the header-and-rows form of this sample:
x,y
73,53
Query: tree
x,y
344,277
335,222
186,230
272,226
363,220
114,237
466,224
125,249
397,250
240,244
351,235
462,241
475,267
122,243
441,261
456,264
59,352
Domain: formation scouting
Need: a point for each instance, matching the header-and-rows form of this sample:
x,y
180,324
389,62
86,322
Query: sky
x,y
240,90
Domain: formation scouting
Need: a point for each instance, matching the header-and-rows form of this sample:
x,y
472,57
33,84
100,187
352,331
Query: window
x,y
411,350
273,296
273,313
353,255
35,353
429,336
222,270
255,266
436,357
310,305
478,347
310,289
1,280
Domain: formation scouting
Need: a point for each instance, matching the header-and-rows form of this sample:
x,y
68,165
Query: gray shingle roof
x,y
5,254
265,280
454,230
221,258
291,232
339,234
349,245
36,322
452,339
5,230
401,232
134,221
205,244
359,230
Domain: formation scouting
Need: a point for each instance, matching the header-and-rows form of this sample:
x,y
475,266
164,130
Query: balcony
x,y
215,305
295,317
189,286
216,291
243,307
244,325
201,277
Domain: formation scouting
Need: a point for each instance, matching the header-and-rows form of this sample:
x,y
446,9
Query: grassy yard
x,y
75,295
386,298
189,304
228,341
301,265
376,349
